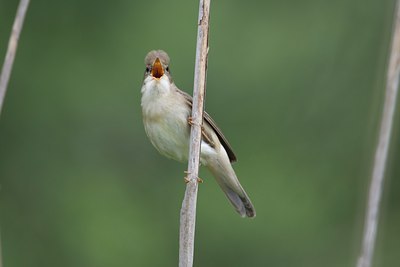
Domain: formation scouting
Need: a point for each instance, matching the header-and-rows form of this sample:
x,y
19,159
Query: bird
x,y
166,112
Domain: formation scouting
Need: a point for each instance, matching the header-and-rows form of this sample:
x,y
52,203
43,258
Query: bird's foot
x,y
206,137
186,179
191,122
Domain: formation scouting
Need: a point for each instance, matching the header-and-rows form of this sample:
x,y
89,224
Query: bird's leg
x,y
187,180
191,122
203,132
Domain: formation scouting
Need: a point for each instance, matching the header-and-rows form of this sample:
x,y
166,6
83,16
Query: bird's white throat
x,y
156,86
155,92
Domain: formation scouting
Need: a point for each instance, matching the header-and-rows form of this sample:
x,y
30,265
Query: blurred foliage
x,y
296,86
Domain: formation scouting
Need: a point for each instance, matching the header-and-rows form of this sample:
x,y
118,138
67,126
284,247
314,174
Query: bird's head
x,y
157,65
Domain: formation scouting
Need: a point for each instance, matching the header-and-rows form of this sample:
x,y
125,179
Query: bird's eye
x,y
147,69
167,69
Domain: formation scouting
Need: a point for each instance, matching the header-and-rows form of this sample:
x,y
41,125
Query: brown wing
x,y
211,122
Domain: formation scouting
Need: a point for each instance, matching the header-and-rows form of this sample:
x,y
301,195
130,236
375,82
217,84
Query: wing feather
x,y
211,122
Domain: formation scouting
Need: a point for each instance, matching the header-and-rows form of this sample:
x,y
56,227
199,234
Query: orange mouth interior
x,y
157,70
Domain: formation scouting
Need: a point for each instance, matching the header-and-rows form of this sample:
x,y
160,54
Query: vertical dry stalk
x,y
12,49
9,59
377,180
188,210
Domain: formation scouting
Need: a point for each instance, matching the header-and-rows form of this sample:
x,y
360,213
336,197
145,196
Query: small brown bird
x,y
166,111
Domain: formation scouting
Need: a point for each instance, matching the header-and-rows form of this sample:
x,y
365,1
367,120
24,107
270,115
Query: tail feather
x,y
229,183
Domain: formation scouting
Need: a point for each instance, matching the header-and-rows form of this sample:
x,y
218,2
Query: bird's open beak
x,y
157,71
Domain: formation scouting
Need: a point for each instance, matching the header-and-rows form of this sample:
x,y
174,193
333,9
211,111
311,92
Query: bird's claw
x,y
186,179
191,122
207,138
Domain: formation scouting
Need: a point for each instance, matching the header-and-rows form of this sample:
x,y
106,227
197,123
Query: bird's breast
x,y
165,121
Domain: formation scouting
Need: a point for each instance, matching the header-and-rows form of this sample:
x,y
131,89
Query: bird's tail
x,y
229,183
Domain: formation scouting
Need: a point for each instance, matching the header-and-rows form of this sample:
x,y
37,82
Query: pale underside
x,y
166,122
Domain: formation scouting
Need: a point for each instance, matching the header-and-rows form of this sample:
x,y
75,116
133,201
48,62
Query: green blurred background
x,y
296,86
